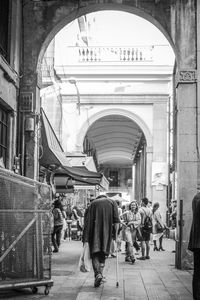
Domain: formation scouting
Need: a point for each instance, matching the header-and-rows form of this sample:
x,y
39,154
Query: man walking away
x,y
146,228
102,217
194,245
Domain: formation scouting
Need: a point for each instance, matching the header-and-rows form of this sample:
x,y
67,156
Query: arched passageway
x,y
116,143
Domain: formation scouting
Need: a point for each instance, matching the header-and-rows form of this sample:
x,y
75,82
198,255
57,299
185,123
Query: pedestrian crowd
x,y
107,224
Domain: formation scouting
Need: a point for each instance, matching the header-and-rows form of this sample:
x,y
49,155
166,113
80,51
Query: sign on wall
x,y
159,173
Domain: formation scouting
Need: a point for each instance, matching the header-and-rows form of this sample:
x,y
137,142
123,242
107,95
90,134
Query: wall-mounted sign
x,y
159,173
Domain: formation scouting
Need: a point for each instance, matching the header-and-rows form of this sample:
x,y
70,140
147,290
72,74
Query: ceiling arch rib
x,y
114,141
119,150
114,138
114,145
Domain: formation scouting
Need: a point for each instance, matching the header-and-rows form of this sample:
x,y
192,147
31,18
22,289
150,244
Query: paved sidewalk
x,y
151,279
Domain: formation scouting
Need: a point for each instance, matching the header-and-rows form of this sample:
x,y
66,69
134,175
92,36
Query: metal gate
x,y
25,233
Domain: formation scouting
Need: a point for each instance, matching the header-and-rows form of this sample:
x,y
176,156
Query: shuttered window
x,y
4,21
3,135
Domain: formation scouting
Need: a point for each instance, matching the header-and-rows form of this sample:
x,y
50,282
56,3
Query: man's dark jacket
x,y
101,215
194,241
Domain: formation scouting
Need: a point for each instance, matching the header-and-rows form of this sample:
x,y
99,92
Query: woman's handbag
x,y
159,228
85,260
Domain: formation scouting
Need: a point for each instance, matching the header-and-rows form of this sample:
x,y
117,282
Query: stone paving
x,y
151,279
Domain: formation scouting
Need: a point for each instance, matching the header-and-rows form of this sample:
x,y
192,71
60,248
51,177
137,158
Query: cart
x,y
25,233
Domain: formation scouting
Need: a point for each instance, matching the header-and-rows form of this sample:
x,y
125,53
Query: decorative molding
x,y
189,76
108,99
31,80
9,74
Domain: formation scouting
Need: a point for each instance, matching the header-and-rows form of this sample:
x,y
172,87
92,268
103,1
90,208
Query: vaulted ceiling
x,y
115,138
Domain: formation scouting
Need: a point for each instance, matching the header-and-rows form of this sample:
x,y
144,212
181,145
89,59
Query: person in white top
x,y
131,221
158,227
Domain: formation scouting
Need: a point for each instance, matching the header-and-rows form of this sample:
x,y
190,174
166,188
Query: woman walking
x,y
158,227
131,221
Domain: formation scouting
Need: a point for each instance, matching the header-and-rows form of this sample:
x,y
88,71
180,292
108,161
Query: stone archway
x,y
133,117
67,17
177,20
113,111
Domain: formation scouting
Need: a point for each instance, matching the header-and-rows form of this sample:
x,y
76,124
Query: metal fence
x,y
25,233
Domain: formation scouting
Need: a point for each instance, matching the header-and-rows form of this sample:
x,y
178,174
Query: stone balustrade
x,y
114,54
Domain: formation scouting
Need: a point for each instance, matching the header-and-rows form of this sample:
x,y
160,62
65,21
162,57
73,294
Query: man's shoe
x,y
132,259
113,255
128,259
55,251
141,258
147,257
98,280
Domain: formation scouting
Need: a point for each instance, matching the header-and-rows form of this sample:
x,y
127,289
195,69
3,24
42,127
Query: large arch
x,y
178,22
113,111
66,19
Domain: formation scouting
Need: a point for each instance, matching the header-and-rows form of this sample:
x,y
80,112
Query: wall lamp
x,y
73,81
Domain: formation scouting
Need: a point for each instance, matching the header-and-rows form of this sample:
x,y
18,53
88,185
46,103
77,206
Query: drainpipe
x,y
198,86
169,158
180,238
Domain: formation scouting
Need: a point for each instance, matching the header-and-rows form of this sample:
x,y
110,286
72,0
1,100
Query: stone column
x,y
133,182
159,189
29,118
187,160
149,158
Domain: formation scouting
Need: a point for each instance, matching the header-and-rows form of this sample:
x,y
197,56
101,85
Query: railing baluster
x,y
102,54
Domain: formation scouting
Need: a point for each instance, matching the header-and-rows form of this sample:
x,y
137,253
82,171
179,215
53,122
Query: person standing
x,y
194,245
146,228
102,217
119,237
158,227
131,221
58,225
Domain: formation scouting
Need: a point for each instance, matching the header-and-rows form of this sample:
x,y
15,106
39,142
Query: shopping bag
x,y
85,260
159,228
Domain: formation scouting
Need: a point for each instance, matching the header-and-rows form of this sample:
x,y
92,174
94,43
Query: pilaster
x,y
159,161
187,160
149,159
29,119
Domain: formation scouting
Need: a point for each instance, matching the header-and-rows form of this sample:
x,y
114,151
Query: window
x,y
3,135
4,15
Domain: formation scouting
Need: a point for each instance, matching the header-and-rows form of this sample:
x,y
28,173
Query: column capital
x,y
186,76
31,80
149,149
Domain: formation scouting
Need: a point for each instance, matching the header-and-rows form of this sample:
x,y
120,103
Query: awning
x,y
80,160
62,177
52,152
79,175
81,172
